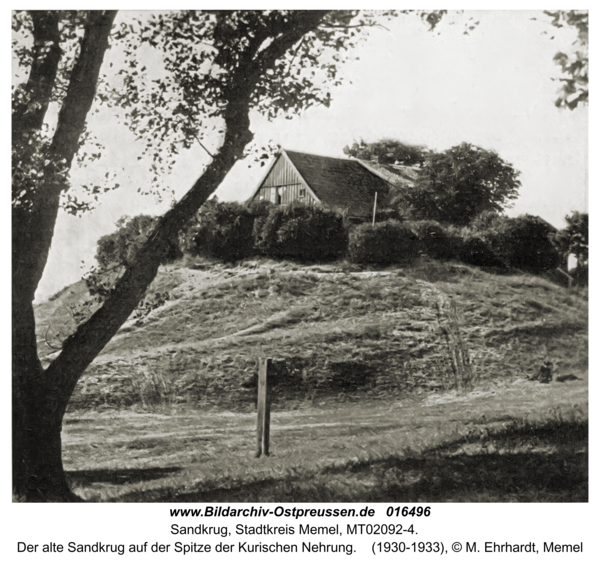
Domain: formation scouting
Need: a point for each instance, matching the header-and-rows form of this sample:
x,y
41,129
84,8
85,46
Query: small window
x,y
302,193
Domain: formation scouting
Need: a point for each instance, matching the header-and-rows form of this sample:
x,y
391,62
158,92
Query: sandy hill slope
x,y
331,330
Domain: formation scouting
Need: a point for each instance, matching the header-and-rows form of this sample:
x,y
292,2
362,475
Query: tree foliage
x,y
204,53
388,151
462,182
574,239
574,88
121,246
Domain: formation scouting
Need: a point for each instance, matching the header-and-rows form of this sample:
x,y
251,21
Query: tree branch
x,y
30,114
287,72
33,237
204,148
292,31
82,85
358,26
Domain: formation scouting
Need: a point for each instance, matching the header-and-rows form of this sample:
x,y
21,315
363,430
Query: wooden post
x,y
374,208
263,406
569,278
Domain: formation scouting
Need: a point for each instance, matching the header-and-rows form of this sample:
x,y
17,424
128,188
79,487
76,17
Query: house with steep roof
x,y
348,185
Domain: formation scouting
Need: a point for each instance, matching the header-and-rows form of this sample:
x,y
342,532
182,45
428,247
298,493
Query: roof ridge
x,y
318,155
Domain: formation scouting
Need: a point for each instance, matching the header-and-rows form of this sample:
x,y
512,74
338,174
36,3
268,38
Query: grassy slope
x,y
404,435
382,328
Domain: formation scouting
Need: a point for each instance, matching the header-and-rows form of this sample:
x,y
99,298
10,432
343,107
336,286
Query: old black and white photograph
x,y
300,256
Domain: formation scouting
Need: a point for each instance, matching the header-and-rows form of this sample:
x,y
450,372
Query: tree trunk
x,y
38,404
38,473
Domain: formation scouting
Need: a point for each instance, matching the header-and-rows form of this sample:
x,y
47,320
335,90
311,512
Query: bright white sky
x,y
492,88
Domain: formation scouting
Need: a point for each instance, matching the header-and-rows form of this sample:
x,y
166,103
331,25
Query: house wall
x,y
283,180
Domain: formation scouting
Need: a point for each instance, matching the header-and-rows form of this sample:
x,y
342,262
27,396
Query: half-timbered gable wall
x,y
283,185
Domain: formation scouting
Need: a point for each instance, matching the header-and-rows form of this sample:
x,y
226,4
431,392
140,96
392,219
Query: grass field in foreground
x,y
521,441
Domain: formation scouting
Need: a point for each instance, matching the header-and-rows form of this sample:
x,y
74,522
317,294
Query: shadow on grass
x,y
525,463
118,477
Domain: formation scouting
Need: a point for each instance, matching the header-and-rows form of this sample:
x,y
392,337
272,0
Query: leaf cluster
x,y
459,184
574,239
33,164
574,88
388,151
120,247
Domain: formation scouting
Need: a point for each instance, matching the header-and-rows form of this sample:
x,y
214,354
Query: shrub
x,y
193,238
223,230
478,251
436,240
580,275
230,237
574,239
121,246
384,214
526,243
302,232
384,243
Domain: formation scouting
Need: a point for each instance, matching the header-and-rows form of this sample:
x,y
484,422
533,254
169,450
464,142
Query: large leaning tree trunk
x,y
40,397
36,423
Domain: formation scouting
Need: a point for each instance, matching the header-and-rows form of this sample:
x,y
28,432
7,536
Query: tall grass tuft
x,y
154,387
450,322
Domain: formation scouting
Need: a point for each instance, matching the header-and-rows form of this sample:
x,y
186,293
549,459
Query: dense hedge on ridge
x,y
382,243
527,243
232,231
301,232
223,230
436,240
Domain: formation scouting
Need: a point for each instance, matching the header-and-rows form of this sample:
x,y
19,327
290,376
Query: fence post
x,y
263,406
374,209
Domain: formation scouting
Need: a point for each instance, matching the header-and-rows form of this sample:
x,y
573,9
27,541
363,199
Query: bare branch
x,y
357,26
203,147
287,72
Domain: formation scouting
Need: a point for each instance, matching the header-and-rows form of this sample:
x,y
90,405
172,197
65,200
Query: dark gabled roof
x,y
344,183
404,176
